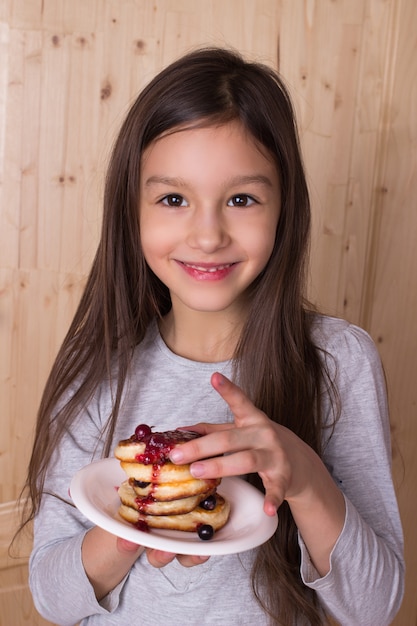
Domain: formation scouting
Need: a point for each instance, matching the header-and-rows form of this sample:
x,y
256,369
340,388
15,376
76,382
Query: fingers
x,y
127,547
240,405
218,441
203,428
222,439
198,448
191,561
250,444
159,558
238,464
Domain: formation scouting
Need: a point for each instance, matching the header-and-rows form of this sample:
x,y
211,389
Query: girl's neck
x,y
204,337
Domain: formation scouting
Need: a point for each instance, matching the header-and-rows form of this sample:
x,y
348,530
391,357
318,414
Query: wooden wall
x,y
68,71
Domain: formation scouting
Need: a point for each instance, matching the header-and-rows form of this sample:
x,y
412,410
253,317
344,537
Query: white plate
x,y
94,493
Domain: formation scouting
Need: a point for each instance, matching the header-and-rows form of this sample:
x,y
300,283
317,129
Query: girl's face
x,y
209,208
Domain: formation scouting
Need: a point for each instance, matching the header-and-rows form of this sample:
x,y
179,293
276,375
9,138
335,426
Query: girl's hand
x,y
290,469
253,443
159,559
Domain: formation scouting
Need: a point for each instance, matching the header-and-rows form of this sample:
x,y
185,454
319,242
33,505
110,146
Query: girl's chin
x,y
227,308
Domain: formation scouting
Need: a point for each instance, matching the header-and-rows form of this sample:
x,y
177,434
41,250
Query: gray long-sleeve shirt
x,y
364,586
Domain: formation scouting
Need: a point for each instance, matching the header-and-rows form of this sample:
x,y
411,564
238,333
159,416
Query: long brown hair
x,y
277,363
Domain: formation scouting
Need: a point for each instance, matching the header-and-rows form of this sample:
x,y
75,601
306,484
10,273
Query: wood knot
x,y
106,91
82,42
140,46
338,101
63,179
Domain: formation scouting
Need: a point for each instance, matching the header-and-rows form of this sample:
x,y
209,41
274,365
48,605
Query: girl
x,y
199,281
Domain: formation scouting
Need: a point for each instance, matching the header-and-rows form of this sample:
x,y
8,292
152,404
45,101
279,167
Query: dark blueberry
x,y
205,532
209,503
140,484
142,431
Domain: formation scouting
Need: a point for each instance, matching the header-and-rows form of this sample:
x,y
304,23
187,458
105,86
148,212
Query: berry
x,y
205,532
209,503
142,431
140,484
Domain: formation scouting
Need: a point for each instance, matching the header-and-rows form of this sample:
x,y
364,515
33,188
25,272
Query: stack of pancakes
x,y
160,494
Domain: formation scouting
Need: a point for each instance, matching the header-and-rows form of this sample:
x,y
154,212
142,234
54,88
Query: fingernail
x,y
197,470
203,559
220,378
163,555
176,455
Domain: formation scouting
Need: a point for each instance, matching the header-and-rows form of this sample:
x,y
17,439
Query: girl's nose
x,y
208,231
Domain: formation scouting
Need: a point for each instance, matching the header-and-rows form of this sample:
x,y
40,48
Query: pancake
x,y
152,506
175,490
162,472
190,522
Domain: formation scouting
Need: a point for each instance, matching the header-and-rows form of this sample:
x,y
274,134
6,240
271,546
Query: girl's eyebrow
x,y
165,180
257,179
232,182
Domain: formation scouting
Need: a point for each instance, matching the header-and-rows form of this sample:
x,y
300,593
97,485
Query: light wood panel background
x,y
68,71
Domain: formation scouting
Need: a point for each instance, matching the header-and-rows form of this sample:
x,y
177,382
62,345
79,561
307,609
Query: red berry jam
x,y
142,525
159,445
143,503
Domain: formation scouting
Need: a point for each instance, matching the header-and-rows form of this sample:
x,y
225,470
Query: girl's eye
x,y
241,200
174,200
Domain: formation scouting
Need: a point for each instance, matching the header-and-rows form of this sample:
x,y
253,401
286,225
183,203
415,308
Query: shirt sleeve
x,y
60,587
69,598
365,583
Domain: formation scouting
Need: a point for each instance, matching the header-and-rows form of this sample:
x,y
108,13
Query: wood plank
x,y
80,177
333,86
22,14
30,342
30,139
16,606
16,555
12,78
53,121
391,298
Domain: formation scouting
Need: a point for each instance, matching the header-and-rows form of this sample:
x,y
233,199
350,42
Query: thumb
x,y
271,505
274,496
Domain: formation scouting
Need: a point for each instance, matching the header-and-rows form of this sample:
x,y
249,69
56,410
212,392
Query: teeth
x,y
208,269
